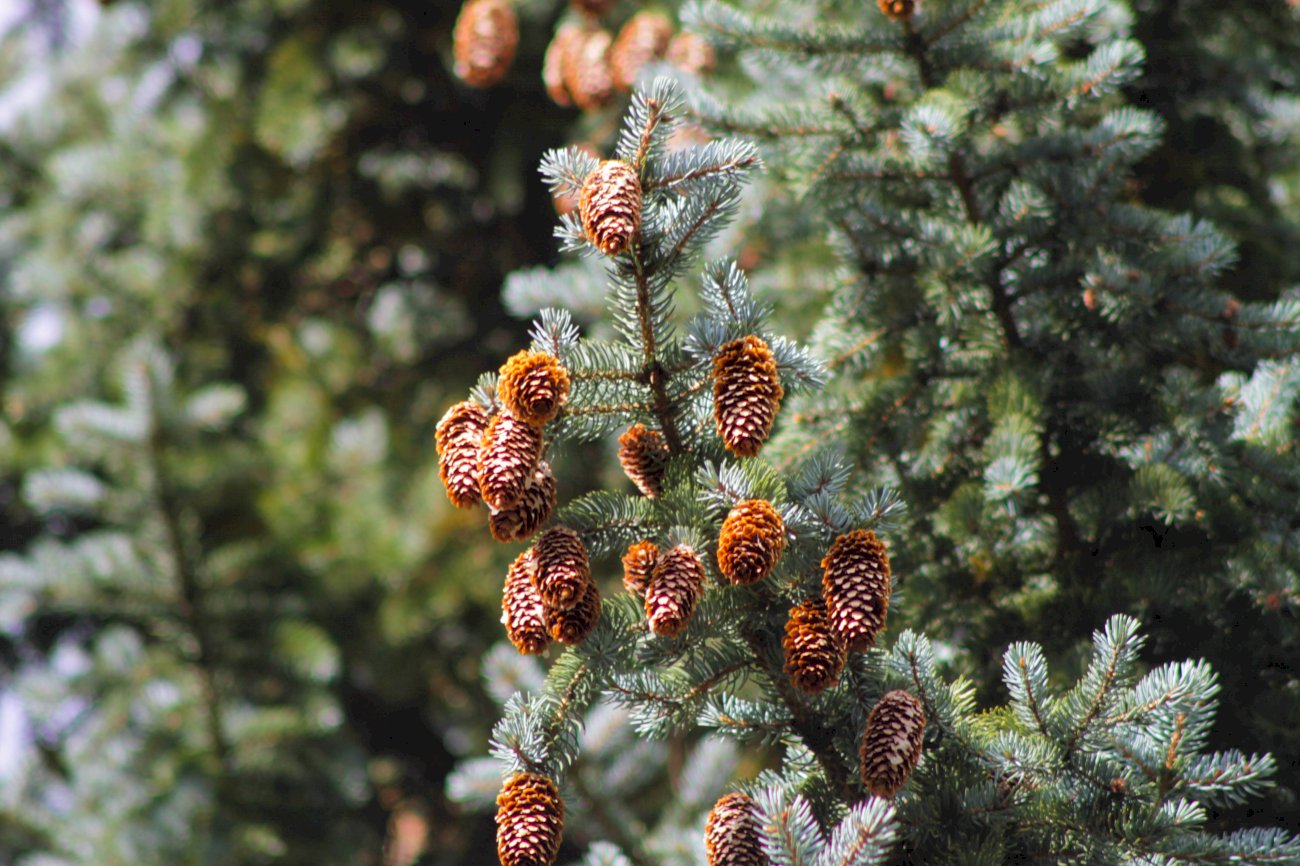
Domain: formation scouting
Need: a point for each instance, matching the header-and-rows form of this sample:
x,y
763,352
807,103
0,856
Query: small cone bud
x,y
638,564
898,10
533,386
891,745
643,454
530,512
570,626
530,821
563,42
676,584
586,71
509,455
563,568
643,38
746,394
751,542
521,607
856,585
611,206
484,41
691,53
733,833
458,436
814,653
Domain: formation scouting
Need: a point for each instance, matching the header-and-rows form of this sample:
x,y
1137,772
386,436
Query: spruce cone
x,y
643,454
691,53
510,453
611,206
458,436
572,625
891,745
856,586
746,394
522,612
676,584
643,38
530,512
751,542
563,42
638,564
563,568
533,386
814,653
530,821
733,833
898,10
586,72
484,41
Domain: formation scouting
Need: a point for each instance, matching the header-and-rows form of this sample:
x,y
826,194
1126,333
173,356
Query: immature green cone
x,y
891,744
611,206
522,612
458,436
643,38
570,626
856,585
638,563
509,454
746,394
586,71
676,584
484,41
897,9
530,821
563,567
733,834
643,454
533,386
814,653
751,541
530,512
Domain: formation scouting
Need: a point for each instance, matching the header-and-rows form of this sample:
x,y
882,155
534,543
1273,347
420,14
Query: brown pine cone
x,y
746,394
509,455
891,745
643,38
751,542
586,71
638,564
530,512
458,435
733,833
691,53
484,41
897,9
570,626
643,454
814,653
856,586
564,41
533,386
676,584
530,821
563,567
592,7
522,612
610,205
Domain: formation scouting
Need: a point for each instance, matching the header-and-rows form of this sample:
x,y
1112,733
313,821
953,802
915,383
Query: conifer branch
x,y
655,374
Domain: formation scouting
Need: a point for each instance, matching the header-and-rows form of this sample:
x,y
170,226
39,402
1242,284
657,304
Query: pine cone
x,y
746,394
751,542
533,386
563,568
458,436
484,41
643,38
510,453
638,564
898,10
592,7
676,584
586,71
643,454
691,53
891,745
530,821
814,653
856,586
611,206
563,42
522,612
571,626
733,833
530,512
